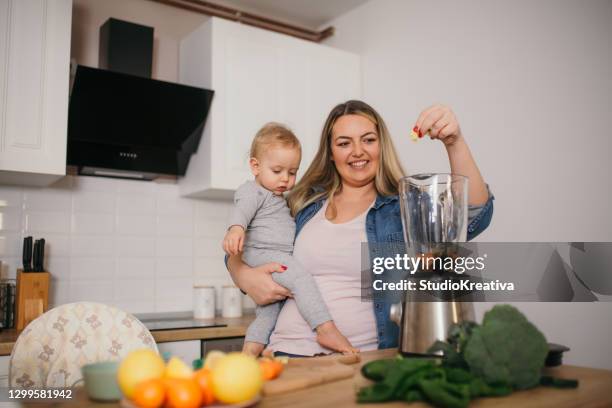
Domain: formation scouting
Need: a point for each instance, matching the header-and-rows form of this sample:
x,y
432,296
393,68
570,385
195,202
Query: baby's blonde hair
x,y
272,134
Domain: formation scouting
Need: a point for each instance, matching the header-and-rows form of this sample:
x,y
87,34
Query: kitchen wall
x,y
531,85
136,245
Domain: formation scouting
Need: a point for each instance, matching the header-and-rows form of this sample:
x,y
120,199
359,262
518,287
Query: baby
x,y
262,227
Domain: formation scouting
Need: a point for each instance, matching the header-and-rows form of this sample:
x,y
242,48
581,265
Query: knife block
x,y
32,297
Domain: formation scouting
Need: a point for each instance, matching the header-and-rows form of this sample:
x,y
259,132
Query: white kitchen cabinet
x,y
258,76
34,73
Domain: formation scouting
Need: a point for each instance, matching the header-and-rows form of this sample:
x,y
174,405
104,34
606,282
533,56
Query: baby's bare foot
x,y
252,349
330,337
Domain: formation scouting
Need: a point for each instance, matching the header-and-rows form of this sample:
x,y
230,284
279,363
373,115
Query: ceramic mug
x,y
101,381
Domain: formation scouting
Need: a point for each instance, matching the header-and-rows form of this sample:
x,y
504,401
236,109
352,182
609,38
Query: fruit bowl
x,y
125,403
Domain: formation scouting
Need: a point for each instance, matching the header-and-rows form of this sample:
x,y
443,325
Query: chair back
x,y
52,349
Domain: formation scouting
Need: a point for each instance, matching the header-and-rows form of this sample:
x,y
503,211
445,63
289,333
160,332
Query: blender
x,y
434,211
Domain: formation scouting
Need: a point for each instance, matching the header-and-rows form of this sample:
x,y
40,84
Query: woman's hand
x,y
257,282
441,123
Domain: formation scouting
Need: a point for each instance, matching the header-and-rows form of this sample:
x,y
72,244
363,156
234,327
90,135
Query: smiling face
x,y
355,149
276,168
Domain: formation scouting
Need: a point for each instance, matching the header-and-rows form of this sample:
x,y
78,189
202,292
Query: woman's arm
x,y
462,162
257,282
441,123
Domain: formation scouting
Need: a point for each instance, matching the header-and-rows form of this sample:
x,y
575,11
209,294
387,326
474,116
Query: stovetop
x,y
171,324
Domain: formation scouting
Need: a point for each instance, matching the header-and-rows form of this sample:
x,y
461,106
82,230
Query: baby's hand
x,y
234,240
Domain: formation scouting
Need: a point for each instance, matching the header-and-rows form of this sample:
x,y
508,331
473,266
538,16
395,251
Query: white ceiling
x,y
306,13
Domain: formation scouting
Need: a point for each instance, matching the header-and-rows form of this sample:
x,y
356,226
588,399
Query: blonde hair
x,y
271,134
322,171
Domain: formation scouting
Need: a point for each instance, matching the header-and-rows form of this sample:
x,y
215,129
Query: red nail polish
x,y
415,129
284,268
420,133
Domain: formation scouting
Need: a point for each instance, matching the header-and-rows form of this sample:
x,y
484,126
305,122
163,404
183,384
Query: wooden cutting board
x,y
300,373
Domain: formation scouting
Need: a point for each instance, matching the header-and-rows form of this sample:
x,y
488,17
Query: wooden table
x,y
595,390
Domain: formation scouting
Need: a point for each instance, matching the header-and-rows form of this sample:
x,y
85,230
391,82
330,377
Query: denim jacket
x,y
384,224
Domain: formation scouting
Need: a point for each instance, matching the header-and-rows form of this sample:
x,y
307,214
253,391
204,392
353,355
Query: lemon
x,y
138,366
176,368
212,357
236,377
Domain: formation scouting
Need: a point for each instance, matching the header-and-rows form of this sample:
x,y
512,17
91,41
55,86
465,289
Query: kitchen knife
x,y
42,255
27,254
35,256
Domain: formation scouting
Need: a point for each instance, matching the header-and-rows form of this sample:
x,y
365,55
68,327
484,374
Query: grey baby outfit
x,y
270,232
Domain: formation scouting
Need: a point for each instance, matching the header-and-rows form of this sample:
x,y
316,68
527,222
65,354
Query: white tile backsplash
x,y
173,205
136,204
11,197
59,266
56,245
135,289
100,291
173,288
94,202
10,219
91,269
10,244
175,225
174,246
135,224
207,246
210,227
92,245
135,268
174,267
48,221
10,265
93,223
47,200
85,183
136,187
135,245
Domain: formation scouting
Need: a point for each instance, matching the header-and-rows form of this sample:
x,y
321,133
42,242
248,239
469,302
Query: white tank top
x,y
332,254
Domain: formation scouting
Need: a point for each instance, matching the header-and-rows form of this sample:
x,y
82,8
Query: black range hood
x,y
124,124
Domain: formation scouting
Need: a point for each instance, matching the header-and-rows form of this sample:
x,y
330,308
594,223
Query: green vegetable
x,y
393,382
441,393
376,370
505,353
506,349
479,388
549,381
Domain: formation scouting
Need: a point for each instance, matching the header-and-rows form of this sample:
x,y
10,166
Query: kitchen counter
x,y
594,391
236,327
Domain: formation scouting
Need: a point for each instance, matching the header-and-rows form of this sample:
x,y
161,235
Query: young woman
x,y
347,196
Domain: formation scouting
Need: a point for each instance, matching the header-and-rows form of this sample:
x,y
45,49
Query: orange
x,y
270,368
183,393
149,393
204,380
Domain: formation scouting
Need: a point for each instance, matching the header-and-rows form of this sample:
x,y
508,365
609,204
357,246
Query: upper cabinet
x,y
258,76
34,75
